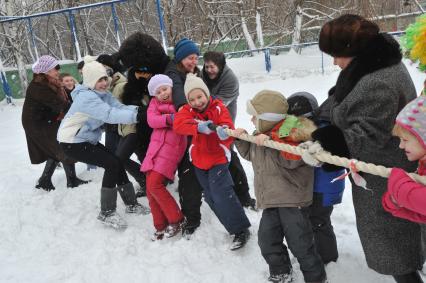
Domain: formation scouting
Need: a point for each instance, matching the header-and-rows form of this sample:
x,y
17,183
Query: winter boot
x,y
158,235
240,239
45,181
173,229
72,180
413,277
108,214
127,193
281,278
141,191
188,229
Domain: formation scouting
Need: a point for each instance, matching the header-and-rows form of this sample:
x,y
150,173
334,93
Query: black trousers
x,y
241,187
98,155
111,137
126,147
325,239
189,192
291,224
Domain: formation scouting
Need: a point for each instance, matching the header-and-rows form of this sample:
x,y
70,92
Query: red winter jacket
x,y
405,198
205,151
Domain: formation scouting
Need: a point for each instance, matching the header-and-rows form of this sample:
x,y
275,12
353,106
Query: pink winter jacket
x,y
166,148
405,198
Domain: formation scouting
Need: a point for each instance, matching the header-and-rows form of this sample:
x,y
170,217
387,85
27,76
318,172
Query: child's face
x,y
164,93
68,82
198,99
102,84
413,148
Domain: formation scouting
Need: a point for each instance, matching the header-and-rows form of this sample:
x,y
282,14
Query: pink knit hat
x,y
44,64
156,81
413,118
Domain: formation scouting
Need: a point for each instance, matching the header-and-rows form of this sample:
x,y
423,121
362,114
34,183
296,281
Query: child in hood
x,y
283,188
81,130
210,155
165,151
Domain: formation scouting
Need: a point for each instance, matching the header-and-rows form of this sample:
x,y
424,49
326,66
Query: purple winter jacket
x,y
166,148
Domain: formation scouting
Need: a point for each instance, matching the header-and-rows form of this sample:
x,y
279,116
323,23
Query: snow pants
x,y
189,192
239,178
220,196
98,155
325,239
164,208
291,224
128,145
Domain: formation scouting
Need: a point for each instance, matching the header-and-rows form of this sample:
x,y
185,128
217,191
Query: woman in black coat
x,y
45,105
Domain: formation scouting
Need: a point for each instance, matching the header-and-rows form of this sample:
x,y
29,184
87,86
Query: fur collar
x,y
381,53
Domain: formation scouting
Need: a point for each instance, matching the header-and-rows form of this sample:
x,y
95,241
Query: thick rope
x,y
325,156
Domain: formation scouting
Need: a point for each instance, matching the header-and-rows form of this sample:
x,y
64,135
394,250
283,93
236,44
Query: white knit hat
x,y
193,82
44,64
92,72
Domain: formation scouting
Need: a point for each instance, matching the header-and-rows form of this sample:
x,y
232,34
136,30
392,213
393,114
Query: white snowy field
x,y
55,237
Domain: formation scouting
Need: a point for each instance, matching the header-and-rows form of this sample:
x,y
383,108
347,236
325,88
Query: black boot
x,y
240,239
45,181
141,191
413,277
127,193
72,180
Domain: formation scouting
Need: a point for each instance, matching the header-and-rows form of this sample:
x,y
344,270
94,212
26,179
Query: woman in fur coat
x,y
372,88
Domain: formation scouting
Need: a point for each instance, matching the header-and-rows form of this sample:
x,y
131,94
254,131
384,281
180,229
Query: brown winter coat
x,y
278,182
43,108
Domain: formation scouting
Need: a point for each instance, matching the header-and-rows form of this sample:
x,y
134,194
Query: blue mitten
x,y
221,133
203,127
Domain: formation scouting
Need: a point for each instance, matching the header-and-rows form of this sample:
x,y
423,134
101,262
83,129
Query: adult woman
x,y
223,84
371,89
45,104
185,61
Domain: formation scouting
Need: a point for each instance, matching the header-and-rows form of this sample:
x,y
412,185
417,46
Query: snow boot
x,y
413,277
158,235
240,239
173,229
108,215
188,229
141,191
127,193
72,180
45,181
281,278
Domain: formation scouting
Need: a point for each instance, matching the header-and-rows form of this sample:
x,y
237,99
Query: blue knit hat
x,y
185,47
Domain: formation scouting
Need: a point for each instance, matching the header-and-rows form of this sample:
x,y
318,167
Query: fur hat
x,y
141,50
413,118
302,104
347,35
269,107
192,82
156,81
44,64
183,48
92,72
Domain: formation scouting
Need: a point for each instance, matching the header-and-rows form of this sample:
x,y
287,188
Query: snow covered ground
x,y
55,237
